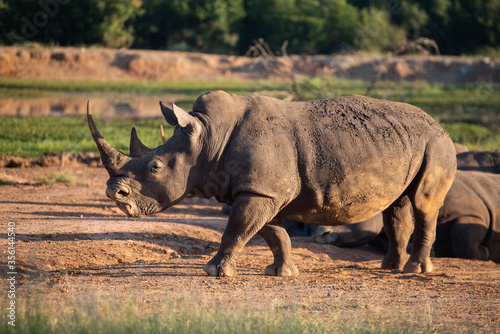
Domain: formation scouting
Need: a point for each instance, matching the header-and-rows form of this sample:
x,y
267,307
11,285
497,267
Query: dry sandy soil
x,y
71,238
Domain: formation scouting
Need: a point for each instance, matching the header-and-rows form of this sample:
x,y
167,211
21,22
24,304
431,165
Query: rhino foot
x,y
395,262
484,253
216,268
283,270
416,267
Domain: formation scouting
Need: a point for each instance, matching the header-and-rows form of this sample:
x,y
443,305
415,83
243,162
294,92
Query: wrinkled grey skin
x,y
336,161
469,221
484,161
352,235
360,233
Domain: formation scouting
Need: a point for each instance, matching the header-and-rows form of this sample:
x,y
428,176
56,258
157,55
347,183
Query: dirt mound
x,y
115,65
51,160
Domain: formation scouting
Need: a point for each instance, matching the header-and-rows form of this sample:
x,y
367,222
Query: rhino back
x,y
355,151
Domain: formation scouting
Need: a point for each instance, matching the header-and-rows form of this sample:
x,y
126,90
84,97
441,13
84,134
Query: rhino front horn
x,y
112,159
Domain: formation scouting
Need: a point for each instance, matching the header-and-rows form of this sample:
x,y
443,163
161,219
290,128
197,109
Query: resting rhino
x,y
333,161
484,161
469,221
352,235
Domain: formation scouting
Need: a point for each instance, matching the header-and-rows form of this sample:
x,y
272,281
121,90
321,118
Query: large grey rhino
x,y
334,161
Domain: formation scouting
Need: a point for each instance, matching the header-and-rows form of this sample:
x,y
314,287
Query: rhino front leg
x,y
248,215
278,240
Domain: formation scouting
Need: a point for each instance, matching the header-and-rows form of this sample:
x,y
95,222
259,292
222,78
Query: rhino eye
x,y
155,166
171,163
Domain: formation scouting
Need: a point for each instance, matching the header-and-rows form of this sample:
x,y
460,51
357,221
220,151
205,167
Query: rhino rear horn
x,y
176,116
162,134
112,159
137,148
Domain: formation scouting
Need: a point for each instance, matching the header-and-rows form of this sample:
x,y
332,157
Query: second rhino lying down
x,y
335,161
469,221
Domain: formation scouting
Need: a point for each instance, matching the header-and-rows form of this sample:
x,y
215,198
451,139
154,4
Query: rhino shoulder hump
x,y
215,100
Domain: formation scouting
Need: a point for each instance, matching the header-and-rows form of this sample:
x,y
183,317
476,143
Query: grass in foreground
x,y
97,312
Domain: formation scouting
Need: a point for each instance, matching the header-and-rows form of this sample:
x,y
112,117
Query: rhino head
x,y
147,181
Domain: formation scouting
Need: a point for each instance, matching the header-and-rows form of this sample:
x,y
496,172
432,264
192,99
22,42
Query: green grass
x,y
36,136
4,182
98,312
470,113
58,177
26,88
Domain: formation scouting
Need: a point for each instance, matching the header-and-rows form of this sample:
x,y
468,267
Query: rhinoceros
x,y
484,161
331,161
352,235
469,221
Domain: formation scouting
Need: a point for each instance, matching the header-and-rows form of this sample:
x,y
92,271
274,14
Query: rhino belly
x,y
347,194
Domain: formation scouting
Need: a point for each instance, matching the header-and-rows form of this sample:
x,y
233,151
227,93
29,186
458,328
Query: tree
x,y
310,26
201,25
376,32
462,26
70,22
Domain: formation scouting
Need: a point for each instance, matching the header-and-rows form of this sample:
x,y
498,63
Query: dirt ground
x,y
73,239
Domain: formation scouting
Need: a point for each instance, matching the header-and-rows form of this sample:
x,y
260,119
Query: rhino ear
x,y
176,116
137,148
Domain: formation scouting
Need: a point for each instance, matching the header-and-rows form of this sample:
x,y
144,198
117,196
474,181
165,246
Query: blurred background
x,y
459,27
125,55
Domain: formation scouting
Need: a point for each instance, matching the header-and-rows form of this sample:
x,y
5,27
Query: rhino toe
x,y
220,270
394,261
418,267
284,270
210,269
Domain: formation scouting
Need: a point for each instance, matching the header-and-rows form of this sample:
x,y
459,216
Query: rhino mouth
x,y
127,209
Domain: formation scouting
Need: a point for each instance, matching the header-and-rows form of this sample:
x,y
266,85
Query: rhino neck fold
x,y
211,176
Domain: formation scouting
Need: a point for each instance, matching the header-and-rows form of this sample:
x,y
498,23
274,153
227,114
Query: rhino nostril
x,y
116,193
123,192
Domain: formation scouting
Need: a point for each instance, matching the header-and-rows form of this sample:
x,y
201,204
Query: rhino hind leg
x,y
398,224
467,235
427,194
278,240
